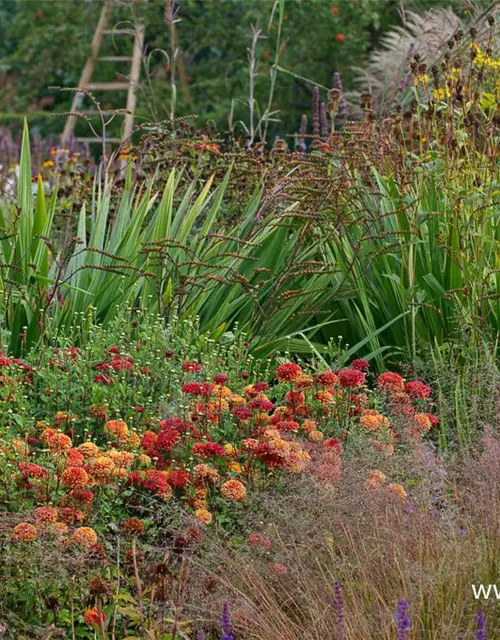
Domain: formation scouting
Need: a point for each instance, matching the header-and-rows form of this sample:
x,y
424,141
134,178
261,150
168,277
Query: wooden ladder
x,y
86,77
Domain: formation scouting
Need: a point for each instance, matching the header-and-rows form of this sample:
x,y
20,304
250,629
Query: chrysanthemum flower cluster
x,y
225,435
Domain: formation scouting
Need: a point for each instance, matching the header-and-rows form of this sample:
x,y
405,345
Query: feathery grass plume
x,y
424,34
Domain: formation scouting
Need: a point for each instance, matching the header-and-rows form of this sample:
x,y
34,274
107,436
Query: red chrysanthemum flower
x,y
334,445
81,496
207,449
179,478
287,425
242,413
121,364
134,526
295,397
259,541
177,423
136,478
102,378
220,378
75,458
167,439
148,441
360,365
288,372
32,470
262,405
198,388
434,419
259,387
191,367
390,382
351,378
417,389
327,379
156,481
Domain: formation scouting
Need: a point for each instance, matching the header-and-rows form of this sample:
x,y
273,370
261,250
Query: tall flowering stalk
x,y
481,626
339,605
226,625
403,619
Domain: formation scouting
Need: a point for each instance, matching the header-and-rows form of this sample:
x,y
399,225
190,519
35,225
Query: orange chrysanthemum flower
x,y
89,449
117,428
60,442
69,515
94,617
84,536
316,436
75,478
60,528
24,532
45,514
121,459
205,472
102,468
47,434
134,526
134,440
308,425
233,490
203,516
375,481
422,421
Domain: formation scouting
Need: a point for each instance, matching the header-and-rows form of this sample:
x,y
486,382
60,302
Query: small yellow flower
x,y
397,490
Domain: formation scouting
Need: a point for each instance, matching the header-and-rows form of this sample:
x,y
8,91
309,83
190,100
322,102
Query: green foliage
x,y
172,253
213,38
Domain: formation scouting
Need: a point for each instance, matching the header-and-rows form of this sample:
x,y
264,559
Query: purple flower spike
x,y
226,625
403,619
481,626
339,605
200,635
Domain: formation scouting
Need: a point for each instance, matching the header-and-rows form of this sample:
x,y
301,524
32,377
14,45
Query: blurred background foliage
x,y
46,43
